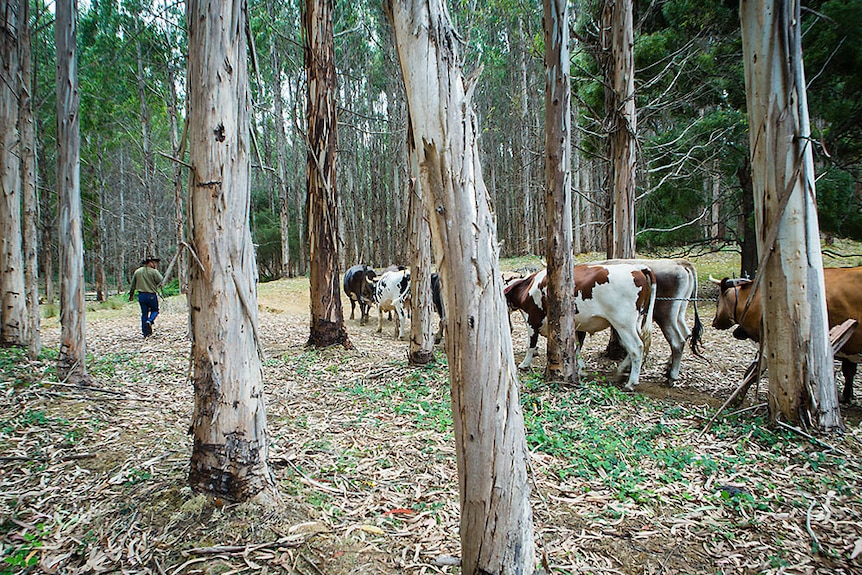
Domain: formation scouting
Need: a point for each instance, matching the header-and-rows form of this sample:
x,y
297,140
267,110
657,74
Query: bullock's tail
x,y
645,330
697,330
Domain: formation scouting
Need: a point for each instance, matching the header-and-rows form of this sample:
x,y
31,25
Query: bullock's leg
x,y
582,367
400,320
379,319
676,339
363,313
635,348
438,337
848,368
352,307
534,342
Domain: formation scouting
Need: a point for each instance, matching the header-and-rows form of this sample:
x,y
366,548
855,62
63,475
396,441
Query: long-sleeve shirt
x,y
145,279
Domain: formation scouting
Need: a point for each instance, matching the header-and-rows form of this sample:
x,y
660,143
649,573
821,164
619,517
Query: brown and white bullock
x,y
843,301
621,296
676,285
393,288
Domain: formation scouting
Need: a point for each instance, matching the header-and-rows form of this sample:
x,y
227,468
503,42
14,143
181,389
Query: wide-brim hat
x,y
149,259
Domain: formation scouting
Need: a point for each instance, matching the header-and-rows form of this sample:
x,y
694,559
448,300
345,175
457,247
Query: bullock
x,y
359,286
393,288
843,302
437,300
676,285
621,296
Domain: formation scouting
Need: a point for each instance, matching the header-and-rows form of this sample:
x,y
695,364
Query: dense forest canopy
x,y
692,130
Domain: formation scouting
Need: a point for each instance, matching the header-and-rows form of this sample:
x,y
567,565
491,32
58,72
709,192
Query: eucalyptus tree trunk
x,y
799,355
178,146
13,313
421,350
30,204
327,318
231,444
280,152
71,364
621,122
562,338
525,228
149,166
496,525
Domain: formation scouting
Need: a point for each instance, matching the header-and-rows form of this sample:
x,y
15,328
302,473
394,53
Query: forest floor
x,y
94,480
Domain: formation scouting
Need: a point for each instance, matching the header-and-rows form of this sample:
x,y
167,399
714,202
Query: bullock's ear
x,y
726,283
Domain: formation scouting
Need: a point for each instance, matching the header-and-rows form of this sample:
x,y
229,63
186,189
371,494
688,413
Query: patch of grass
x,y
423,394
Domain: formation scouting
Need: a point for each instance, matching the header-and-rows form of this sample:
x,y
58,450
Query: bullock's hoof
x,y
629,388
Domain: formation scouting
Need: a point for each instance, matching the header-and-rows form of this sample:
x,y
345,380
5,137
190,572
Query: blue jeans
x,y
149,303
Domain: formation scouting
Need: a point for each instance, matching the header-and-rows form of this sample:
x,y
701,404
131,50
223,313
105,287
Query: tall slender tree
x,y
620,123
14,325
562,339
796,327
30,198
327,318
490,443
229,457
71,363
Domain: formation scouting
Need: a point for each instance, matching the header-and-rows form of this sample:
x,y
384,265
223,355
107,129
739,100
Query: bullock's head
x,y
732,296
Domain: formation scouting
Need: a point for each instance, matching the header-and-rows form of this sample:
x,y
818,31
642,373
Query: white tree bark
x,y
229,458
799,356
496,521
73,347
14,326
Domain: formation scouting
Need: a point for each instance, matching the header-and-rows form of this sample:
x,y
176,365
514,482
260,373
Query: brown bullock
x,y
843,301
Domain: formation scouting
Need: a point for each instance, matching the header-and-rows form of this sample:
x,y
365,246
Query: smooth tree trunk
x,y
621,123
178,145
71,365
496,526
231,444
327,318
281,156
527,246
798,351
14,325
30,197
562,339
149,164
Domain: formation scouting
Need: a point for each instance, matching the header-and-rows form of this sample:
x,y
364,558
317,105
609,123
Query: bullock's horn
x,y
713,280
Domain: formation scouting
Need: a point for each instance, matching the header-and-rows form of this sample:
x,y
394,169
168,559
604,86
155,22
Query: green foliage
x,y
25,554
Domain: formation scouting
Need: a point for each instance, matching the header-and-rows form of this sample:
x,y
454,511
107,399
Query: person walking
x,y
147,280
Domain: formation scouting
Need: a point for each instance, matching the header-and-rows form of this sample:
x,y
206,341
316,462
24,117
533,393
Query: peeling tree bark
x,y
562,338
229,457
421,350
799,355
496,521
71,364
327,318
30,205
14,326
619,72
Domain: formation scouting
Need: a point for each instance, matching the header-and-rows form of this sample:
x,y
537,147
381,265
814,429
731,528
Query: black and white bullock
x,y
676,285
359,286
393,288
437,300
621,296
